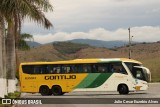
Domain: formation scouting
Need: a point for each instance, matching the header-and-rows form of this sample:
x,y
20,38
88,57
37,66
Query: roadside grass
x,y
10,96
154,65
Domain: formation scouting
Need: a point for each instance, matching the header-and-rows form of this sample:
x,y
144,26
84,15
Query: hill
x,y
99,43
33,44
68,47
147,53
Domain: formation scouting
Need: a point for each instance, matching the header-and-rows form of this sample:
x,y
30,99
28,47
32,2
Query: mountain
x,y
100,43
33,44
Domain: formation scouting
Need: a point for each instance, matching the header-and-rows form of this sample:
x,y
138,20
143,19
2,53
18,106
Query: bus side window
x,y
58,69
42,69
75,68
94,68
55,69
28,69
79,68
47,69
66,69
36,70
117,67
102,68
86,68
72,69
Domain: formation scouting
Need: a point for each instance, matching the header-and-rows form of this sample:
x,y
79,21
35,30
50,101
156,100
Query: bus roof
x,y
95,60
130,60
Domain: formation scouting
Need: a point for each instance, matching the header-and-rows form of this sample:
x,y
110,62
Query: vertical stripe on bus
x,y
99,80
94,80
88,80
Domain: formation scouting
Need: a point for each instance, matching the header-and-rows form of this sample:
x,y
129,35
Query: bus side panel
x,y
118,79
73,83
67,82
110,84
28,83
96,82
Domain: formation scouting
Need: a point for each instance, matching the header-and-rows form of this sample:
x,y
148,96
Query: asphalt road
x,y
152,92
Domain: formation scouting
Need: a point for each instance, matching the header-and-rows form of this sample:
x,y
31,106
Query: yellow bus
x,y
59,77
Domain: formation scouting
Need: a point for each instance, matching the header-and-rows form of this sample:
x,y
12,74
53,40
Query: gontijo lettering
x,y
57,77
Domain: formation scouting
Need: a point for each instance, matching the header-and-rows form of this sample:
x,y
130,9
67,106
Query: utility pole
x,y
129,29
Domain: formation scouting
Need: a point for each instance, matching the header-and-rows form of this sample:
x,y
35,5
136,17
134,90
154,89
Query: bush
x,y
68,47
13,95
113,49
10,95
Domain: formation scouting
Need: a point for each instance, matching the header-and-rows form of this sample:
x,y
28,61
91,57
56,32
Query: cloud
x,y
83,15
140,34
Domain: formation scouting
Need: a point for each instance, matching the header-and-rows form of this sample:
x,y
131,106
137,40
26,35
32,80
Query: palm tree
x,y
4,57
22,44
3,82
14,12
1,57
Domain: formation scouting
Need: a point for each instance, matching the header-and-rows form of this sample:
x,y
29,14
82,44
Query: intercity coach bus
x,y
59,77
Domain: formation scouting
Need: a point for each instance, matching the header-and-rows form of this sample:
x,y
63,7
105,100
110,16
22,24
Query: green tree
x,y
14,12
22,44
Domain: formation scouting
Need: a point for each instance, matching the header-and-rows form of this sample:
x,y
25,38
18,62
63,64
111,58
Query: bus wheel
x,y
44,90
57,90
123,89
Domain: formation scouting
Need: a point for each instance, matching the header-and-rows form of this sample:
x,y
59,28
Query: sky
x,y
99,19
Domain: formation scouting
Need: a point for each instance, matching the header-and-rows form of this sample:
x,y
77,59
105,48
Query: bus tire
x,y
123,89
57,90
45,91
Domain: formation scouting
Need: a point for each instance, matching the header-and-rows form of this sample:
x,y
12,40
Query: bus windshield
x,y
142,73
138,71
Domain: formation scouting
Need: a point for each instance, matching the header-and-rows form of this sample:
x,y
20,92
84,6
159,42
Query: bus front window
x,y
139,72
142,73
131,65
